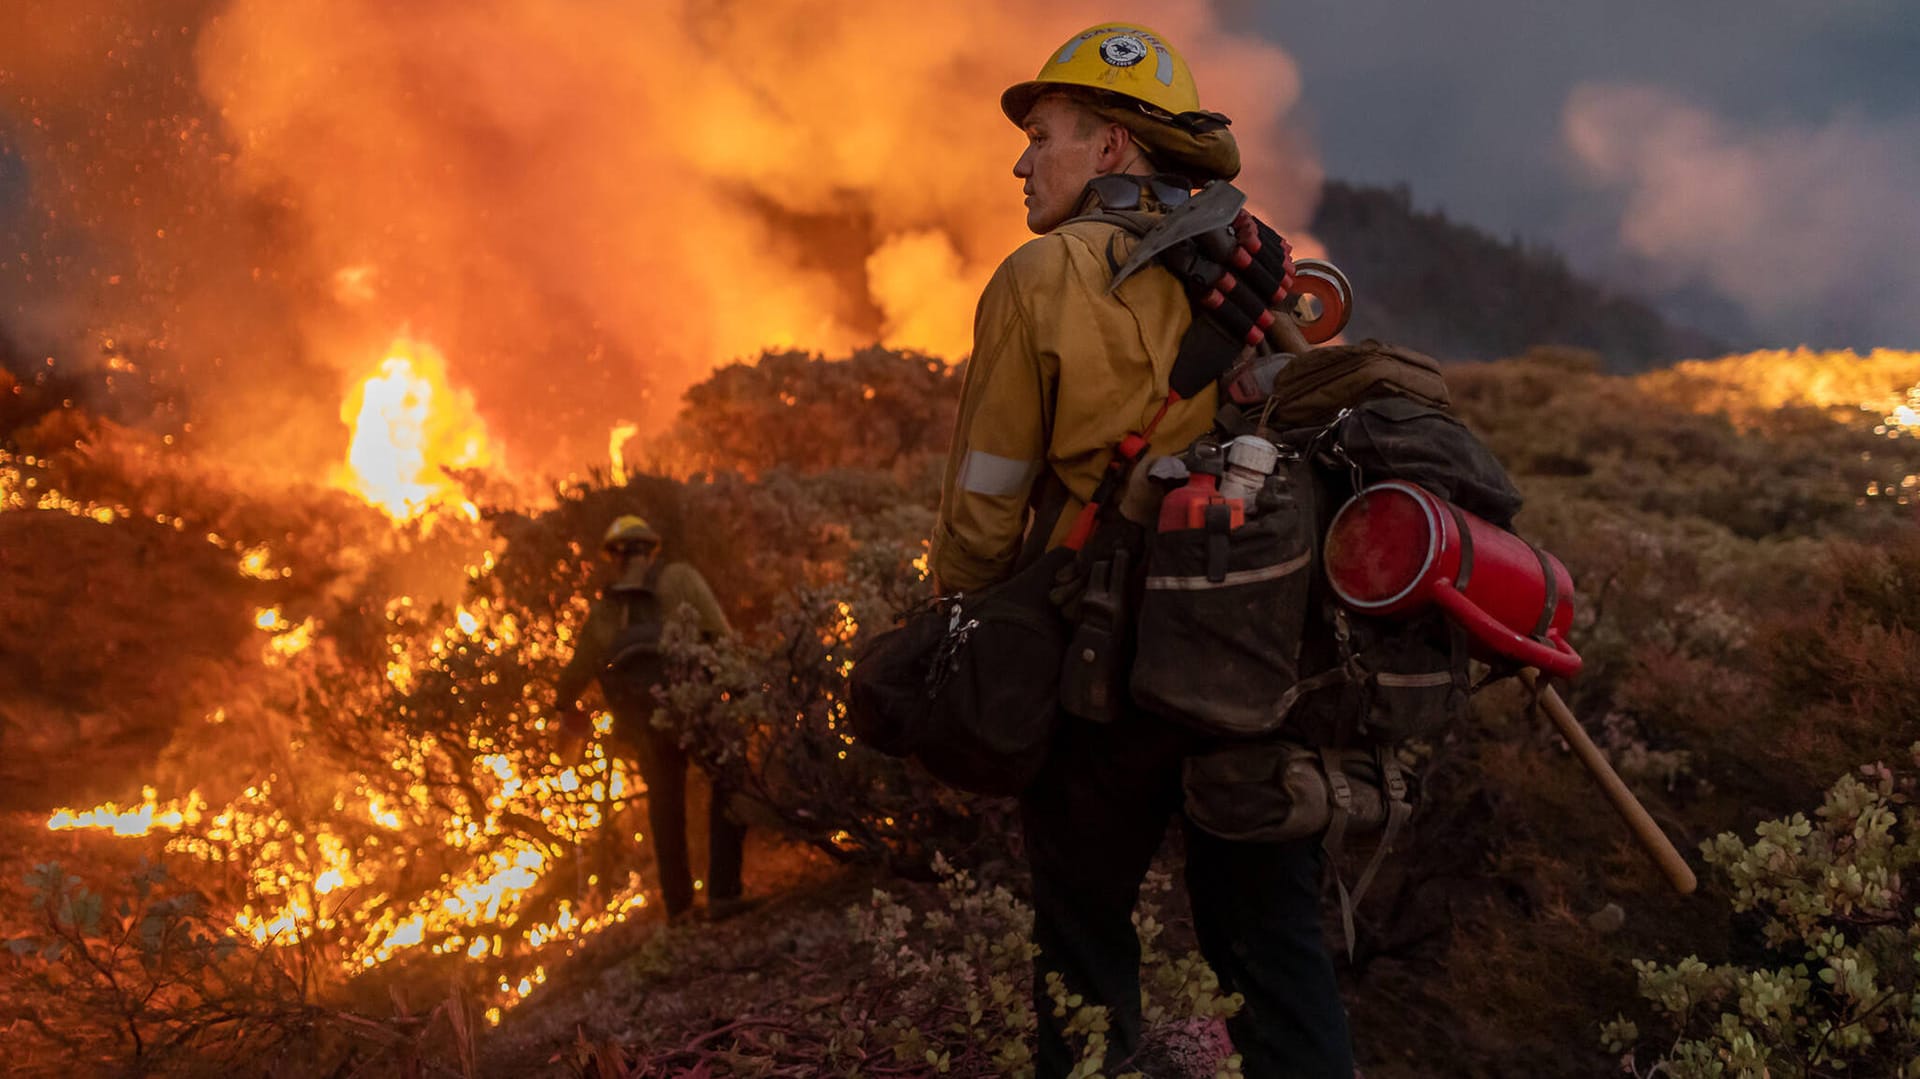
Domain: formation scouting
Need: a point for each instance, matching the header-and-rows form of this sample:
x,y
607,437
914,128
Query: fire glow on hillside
x,y
1748,386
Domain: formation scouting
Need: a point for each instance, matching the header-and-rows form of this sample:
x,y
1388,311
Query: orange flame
x,y
410,425
1751,384
616,450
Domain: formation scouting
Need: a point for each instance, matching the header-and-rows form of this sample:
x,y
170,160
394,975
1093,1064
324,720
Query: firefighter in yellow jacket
x,y
1062,369
619,646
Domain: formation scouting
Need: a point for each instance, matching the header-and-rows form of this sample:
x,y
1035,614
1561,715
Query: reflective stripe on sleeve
x,y
987,474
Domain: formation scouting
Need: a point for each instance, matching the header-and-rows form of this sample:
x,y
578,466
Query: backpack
x,y
634,661
1239,635
1248,604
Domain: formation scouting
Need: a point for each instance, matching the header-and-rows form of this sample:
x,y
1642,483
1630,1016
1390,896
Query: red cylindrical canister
x,y
1396,548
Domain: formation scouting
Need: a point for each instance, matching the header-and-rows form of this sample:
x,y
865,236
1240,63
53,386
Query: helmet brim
x,y
1018,100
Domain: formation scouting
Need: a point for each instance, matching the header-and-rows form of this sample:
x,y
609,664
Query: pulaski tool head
x,y
1213,209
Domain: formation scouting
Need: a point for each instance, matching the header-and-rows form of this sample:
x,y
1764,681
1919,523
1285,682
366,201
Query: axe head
x,y
1214,207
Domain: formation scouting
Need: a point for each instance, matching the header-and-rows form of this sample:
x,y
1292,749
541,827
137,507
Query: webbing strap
x,y
1393,791
1046,514
1126,454
1393,788
1466,547
648,586
1329,677
1552,603
1339,807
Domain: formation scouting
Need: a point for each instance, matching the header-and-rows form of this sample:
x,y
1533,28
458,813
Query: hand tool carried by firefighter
x,y
1645,830
1214,208
1241,274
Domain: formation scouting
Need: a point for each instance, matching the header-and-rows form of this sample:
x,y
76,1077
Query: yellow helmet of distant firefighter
x,y
630,530
1130,75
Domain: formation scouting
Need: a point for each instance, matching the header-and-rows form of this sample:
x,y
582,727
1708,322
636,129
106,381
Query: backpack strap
x,y
1047,508
1461,579
1394,789
1339,808
649,585
1551,604
1351,670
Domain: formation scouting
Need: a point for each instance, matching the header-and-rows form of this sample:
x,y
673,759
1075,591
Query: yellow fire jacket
x,y
1061,371
678,584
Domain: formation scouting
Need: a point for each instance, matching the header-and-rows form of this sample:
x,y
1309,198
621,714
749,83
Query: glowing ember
x,y
257,563
409,426
289,642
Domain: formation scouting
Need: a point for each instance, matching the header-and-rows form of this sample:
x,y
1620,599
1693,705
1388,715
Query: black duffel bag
x,y
968,684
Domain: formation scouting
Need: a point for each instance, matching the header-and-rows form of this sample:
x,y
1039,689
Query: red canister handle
x,y
1554,655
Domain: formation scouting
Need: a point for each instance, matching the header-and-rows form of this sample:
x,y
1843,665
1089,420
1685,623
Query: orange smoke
x,y
586,206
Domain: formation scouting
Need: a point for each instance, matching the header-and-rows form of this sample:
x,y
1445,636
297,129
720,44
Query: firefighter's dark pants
x,y
663,765
1093,823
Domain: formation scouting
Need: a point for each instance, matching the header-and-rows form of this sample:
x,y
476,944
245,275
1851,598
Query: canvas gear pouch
x,y
1381,679
1397,438
1090,684
970,684
1416,676
1274,791
1194,144
1311,389
1223,614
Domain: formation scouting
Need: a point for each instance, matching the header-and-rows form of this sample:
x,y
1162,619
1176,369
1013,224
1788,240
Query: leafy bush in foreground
x,y
1830,988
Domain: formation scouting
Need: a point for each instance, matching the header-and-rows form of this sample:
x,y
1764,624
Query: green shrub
x,y
1830,990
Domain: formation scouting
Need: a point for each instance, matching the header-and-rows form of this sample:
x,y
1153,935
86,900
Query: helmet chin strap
x,y
1136,162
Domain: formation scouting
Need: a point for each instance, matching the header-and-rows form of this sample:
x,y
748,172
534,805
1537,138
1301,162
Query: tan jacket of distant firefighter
x,y
678,584
1061,371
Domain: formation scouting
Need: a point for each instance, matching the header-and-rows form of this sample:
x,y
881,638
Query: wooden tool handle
x,y
1651,838
1287,332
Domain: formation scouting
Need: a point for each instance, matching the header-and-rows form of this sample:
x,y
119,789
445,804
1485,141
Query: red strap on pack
x,y
1125,455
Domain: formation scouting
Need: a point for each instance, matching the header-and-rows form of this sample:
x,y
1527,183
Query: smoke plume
x,y
584,206
1812,229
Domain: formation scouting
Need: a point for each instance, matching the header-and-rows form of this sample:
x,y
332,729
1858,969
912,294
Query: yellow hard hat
x,y
629,530
1121,58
